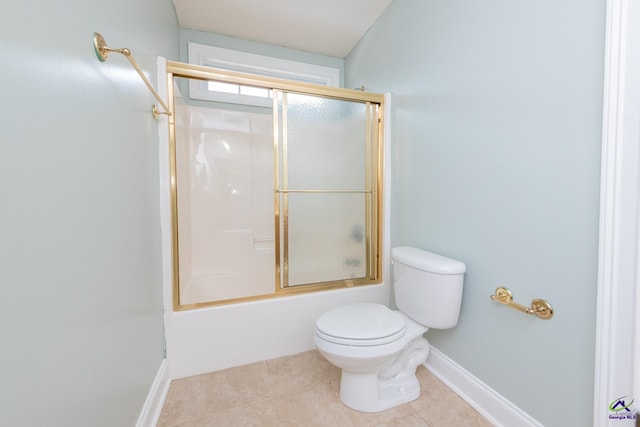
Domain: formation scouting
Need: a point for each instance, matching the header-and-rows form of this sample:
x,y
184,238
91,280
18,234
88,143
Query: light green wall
x,y
495,157
496,126
81,306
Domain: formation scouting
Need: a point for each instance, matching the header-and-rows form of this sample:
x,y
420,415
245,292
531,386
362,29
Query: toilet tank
x,y
427,286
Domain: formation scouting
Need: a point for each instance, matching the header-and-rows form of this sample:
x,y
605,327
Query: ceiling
x,y
326,27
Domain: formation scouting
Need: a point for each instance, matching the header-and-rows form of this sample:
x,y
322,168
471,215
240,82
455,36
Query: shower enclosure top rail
x,y
208,73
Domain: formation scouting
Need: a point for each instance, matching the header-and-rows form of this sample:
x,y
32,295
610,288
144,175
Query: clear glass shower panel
x,y
326,237
224,175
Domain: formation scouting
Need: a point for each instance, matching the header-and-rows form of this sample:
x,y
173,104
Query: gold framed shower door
x,y
372,192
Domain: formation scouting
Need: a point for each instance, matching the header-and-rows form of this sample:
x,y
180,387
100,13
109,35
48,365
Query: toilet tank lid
x,y
427,261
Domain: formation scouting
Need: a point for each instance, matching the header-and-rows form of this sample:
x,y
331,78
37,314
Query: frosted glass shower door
x,y
324,188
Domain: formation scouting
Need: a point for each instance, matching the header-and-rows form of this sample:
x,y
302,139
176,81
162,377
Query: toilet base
x,y
375,392
366,393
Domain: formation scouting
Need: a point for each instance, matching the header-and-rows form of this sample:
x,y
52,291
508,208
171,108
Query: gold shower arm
x,y
102,51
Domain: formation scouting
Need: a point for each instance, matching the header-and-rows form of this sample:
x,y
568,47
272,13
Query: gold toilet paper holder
x,y
539,307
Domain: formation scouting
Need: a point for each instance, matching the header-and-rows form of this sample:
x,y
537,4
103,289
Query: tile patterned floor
x,y
301,390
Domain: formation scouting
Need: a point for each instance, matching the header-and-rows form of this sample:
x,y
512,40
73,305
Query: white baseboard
x,y
155,399
495,408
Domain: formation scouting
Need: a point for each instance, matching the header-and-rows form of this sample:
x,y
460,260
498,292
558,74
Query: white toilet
x,y
379,349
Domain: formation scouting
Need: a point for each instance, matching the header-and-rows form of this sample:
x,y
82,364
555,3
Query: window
x,y
243,62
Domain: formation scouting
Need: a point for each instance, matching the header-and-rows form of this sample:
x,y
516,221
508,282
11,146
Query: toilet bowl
x,y
372,377
379,349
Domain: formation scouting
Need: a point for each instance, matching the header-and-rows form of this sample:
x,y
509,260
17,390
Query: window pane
x,y
254,91
223,87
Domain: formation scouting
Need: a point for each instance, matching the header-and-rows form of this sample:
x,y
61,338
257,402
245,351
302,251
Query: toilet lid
x,y
361,324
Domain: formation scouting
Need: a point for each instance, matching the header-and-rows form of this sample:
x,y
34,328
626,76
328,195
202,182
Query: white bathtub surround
x,y
215,338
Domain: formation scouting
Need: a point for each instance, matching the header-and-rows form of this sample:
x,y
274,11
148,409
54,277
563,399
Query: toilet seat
x,y
361,324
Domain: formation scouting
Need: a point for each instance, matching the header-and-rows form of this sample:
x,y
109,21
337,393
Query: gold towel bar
x,y
102,51
539,307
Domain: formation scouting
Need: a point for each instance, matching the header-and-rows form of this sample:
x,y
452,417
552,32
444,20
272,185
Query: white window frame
x,y
226,59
